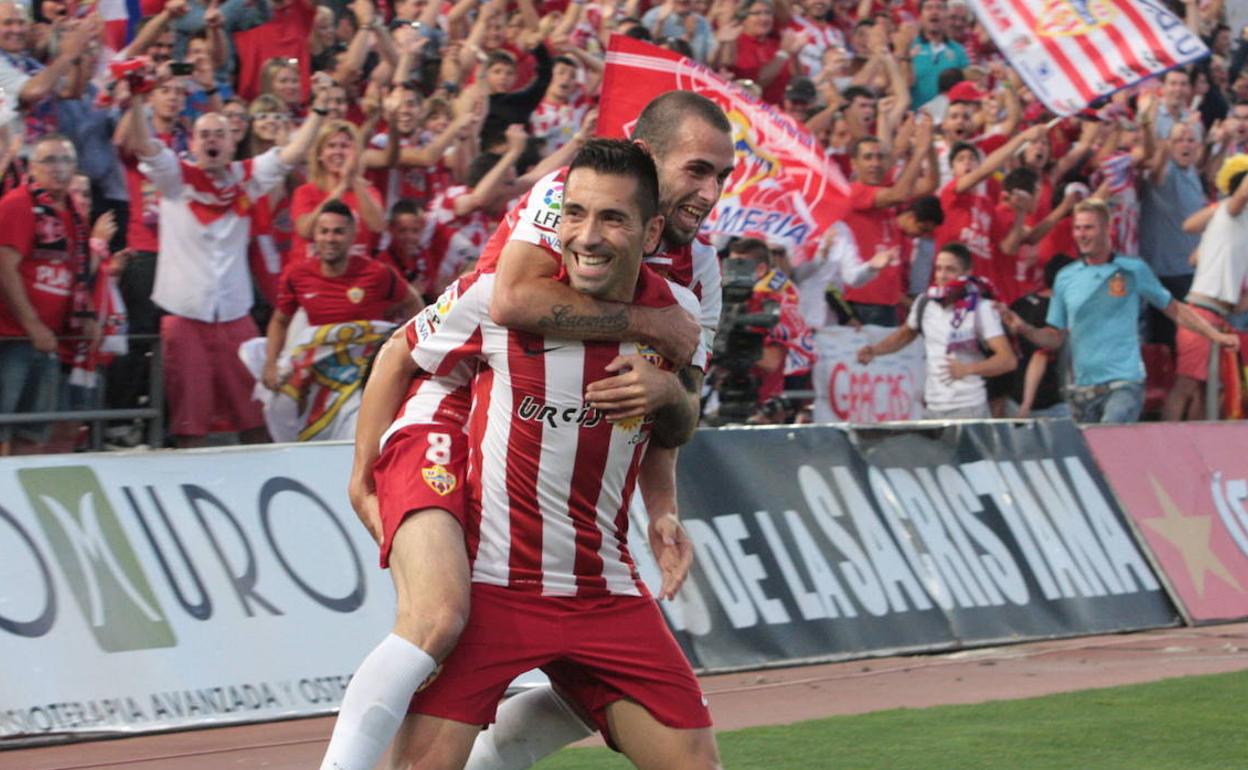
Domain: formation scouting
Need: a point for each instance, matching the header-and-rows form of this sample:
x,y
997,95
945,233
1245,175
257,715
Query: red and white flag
x,y
782,185
1070,52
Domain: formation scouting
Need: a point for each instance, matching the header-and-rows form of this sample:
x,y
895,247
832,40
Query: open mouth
x,y
213,153
592,265
690,216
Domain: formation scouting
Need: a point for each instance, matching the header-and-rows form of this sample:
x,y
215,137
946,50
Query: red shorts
x,y
422,466
1193,348
208,387
596,651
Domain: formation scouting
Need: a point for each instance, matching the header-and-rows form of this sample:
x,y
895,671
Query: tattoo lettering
x,y
563,319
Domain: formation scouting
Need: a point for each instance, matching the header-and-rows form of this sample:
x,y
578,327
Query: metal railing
x,y
153,414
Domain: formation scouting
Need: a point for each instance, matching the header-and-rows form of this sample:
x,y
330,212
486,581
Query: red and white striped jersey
x,y
558,123
535,220
550,478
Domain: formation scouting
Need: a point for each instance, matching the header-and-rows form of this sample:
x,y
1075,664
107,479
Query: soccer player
x,y
547,521
691,139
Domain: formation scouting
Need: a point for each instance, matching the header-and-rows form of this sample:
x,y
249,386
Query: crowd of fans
x,y
126,215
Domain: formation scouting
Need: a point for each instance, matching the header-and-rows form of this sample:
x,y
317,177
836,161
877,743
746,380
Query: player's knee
x,y
435,629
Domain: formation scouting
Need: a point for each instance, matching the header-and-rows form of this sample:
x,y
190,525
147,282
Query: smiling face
x,y
212,143
407,117
1184,146
693,166
759,19
13,27
868,163
286,85
406,230
336,152
604,235
1091,233
333,236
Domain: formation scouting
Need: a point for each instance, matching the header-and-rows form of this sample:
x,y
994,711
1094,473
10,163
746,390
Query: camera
x,y
181,69
739,343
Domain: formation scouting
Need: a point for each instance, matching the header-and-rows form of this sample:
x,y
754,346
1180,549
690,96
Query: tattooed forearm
x,y
562,318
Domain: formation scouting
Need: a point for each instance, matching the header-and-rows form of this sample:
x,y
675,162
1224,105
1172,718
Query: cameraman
x,y
788,347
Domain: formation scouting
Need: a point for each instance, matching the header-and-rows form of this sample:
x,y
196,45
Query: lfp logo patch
x,y
439,479
1067,18
553,199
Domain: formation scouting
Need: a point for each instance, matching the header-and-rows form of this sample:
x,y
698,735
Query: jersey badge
x,y
1118,285
439,479
355,294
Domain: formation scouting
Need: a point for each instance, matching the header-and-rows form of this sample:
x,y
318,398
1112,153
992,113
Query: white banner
x,y
889,388
167,589
1071,52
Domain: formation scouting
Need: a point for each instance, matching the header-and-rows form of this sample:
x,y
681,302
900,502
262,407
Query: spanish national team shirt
x,y
551,478
1100,306
364,292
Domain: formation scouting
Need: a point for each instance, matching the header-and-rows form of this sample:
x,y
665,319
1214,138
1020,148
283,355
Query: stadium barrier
x,y
159,590
1185,487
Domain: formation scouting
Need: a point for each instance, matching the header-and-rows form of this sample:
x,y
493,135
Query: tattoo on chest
x,y
563,318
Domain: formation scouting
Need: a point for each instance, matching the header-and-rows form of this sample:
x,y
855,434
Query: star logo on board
x,y
1190,535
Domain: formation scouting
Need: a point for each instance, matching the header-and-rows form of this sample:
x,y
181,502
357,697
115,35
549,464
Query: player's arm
x,y
527,297
669,542
392,373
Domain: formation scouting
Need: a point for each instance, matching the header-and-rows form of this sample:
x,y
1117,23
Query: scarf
x,y
47,229
963,294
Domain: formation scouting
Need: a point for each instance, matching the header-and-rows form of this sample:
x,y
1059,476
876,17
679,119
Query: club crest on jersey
x,y
1067,18
439,479
652,355
535,411
355,294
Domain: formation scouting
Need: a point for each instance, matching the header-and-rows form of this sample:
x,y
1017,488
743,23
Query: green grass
x,y
1187,723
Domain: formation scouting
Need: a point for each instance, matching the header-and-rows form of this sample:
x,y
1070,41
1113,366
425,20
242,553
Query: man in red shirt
x,y
871,218
335,288
43,279
411,240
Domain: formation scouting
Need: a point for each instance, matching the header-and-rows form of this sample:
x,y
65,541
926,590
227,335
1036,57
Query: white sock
x,y
375,704
532,725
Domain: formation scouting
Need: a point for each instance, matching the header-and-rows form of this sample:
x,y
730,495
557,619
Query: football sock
x,y
375,703
532,725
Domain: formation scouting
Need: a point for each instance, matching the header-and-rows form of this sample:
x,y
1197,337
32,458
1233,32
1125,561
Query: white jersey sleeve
x,y
448,331
708,287
691,305
537,221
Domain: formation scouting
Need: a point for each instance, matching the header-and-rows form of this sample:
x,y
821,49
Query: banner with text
x,y
824,543
1072,52
1186,488
889,388
142,592
782,184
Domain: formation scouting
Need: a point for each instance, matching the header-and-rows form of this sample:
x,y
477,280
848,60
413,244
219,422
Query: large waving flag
x,y
783,185
121,21
1071,52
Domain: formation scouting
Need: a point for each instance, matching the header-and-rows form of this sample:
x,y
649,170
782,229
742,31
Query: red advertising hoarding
x,y
1185,487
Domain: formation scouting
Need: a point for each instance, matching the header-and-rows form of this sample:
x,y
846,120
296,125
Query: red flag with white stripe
x,y
1071,52
782,185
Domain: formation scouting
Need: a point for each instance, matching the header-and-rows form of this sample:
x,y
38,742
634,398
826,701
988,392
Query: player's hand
x,y
673,551
637,389
363,495
670,330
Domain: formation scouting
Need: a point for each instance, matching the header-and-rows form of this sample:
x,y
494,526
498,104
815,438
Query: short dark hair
x,y
1053,267
927,208
948,78
1021,178
855,145
960,147
853,92
406,206
481,166
564,59
336,206
639,32
617,157
498,56
751,248
960,252
1179,70
665,114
